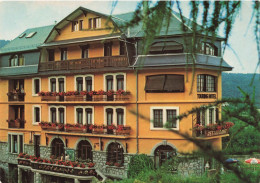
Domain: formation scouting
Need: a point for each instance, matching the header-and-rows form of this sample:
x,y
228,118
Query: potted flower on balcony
x,y
123,130
111,129
99,129
99,95
110,96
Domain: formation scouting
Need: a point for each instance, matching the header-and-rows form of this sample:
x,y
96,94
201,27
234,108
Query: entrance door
x,y
37,145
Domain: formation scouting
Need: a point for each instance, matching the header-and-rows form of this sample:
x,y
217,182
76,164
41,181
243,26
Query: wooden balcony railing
x,y
87,129
94,98
86,63
15,96
211,133
18,123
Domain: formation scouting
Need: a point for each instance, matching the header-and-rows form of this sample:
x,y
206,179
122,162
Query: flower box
x,y
122,130
210,133
75,129
98,130
50,98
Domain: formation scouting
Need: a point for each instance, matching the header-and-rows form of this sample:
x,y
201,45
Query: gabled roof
x,y
65,21
26,44
175,25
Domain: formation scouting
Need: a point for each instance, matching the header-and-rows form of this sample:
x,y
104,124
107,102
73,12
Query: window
x,y
79,115
122,48
164,83
108,49
84,52
208,116
53,84
120,116
97,23
75,26
161,116
90,23
57,147
57,114
50,54
57,84
36,86
114,115
84,82
109,82
115,153
109,115
80,24
84,115
16,60
166,47
162,154
120,82
15,143
206,83
31,34
36,114
79,84
208,49
63,54
84,150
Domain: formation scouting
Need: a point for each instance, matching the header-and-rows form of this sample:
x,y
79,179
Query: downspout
x,y
137,113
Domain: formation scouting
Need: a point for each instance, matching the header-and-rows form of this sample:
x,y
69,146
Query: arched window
x,y
162,154
208,49
84,151
57,147
115,153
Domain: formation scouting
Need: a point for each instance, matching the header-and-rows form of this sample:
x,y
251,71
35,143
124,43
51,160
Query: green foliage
x,y
139,163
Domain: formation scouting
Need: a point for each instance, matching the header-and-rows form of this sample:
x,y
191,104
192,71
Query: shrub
x,y
138,164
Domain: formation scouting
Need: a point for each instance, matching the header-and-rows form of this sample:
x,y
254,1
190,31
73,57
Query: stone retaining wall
x,y
191,166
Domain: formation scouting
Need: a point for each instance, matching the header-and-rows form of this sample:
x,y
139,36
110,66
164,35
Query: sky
x,y
17,16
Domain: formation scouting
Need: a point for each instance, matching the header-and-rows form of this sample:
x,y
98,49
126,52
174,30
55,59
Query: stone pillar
x,y
37,177
76,180
19,175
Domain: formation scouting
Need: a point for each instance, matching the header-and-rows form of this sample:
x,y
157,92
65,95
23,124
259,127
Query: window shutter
x,y
154,83
174,83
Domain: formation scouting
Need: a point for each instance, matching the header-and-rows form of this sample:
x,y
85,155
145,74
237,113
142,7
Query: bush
x,y
138,164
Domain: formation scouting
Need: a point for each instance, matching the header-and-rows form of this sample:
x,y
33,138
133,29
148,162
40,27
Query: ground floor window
x,y
57,147
162,154
84,151
115,153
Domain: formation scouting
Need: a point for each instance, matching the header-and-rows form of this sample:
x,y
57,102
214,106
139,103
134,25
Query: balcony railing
x,y
64,167
94,98
15,96
18,123
86,63
211,133
87,129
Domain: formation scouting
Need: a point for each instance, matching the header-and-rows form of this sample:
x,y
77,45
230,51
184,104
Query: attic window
x,y
22,35
166,47
31,35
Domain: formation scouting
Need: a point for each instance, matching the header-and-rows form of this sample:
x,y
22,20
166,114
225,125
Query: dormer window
x,y
30,35
94,23
16,60
208,49
166,47
22,35
75,26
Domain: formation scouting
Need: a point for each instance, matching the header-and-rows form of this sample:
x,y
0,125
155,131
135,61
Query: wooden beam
x,y
58,30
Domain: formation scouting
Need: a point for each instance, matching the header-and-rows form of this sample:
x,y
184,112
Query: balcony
x,y
119,130
212,130
18,97
18,123
54,165
87,63
83,96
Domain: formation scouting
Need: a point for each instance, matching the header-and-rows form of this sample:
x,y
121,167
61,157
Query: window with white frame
x,y
84,115
84,82
36,114
15,143
208,116
36,86
164,116
114,115
57,114
115,81
57,84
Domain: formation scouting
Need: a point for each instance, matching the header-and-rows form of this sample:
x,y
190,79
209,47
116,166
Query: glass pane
x,y
158,118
